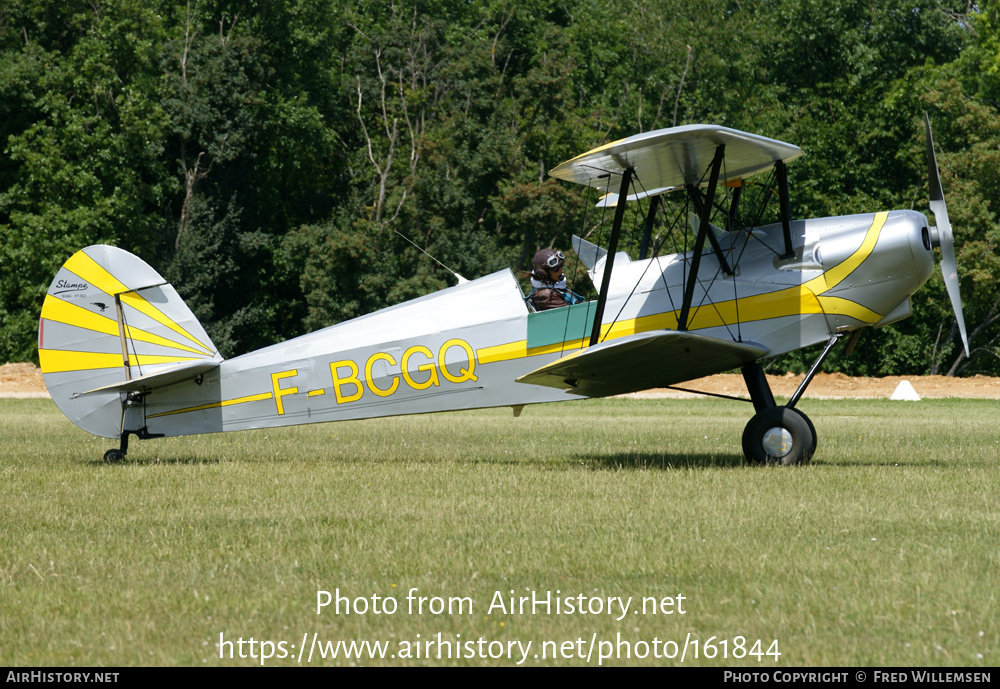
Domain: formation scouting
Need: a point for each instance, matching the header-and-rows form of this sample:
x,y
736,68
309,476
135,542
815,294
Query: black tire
x,y
812,429
114,455
779,435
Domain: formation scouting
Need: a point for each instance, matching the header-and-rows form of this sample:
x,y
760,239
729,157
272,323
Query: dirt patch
x,y
21,380
25,380
837,385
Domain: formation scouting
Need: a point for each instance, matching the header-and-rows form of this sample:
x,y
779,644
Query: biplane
x,y
123,355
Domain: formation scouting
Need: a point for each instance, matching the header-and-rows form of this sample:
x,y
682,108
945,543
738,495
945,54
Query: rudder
x,y
108,318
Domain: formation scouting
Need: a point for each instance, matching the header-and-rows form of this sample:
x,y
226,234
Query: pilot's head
x,y
547,265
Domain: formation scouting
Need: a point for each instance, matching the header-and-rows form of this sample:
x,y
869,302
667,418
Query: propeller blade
x,y
945,238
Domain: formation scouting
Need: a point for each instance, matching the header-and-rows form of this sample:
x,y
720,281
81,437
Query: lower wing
x,y
643,361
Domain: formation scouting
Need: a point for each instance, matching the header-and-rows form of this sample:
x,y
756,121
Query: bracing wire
x,y
733,253
711,282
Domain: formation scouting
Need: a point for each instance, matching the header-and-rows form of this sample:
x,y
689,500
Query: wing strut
x,y
609,262
731,218
716,247
703,231
120,315
786,207
647,232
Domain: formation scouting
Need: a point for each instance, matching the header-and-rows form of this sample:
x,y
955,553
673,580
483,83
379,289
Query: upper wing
x,y
643,361
666,159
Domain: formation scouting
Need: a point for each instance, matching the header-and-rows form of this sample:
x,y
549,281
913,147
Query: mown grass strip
x,y
885,551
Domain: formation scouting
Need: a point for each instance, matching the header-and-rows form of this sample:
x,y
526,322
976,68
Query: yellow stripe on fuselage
x,y
504,352
833,277
807,298
216,405
89,270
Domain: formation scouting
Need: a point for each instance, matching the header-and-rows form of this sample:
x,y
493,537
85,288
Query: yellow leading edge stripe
x,y
799,299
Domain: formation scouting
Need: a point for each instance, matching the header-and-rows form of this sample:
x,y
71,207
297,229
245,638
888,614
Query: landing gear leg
x,y
775,435
780,435
118,454
760,391
133,417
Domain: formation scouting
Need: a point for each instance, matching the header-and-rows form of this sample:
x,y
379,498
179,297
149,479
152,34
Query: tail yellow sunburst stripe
x,y
61,360
59,311
86,268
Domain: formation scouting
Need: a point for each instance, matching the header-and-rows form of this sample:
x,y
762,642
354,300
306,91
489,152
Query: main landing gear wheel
x,y
779,435
812,429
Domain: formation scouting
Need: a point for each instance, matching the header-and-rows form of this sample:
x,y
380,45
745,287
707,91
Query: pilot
x,y
548,282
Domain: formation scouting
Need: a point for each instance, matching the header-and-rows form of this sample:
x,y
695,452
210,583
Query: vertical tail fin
x,y
107,318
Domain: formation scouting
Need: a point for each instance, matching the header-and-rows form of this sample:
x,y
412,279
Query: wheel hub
x,y
777,442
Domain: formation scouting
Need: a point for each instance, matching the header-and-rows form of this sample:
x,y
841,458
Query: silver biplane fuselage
x,y
465,346
146,367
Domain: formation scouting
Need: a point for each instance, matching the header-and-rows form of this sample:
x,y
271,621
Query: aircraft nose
x,y
888,259
907,257
920,237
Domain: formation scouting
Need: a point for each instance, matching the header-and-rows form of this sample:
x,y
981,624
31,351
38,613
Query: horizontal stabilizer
x,y
643,361
160,379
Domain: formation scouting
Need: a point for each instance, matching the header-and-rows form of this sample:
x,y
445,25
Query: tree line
x,y
278,160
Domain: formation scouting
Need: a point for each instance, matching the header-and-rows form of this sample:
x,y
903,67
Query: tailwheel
x,y
779,435
115,455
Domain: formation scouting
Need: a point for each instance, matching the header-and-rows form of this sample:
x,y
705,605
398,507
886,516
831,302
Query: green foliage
x,y
83,148
969,135
984,56
267,156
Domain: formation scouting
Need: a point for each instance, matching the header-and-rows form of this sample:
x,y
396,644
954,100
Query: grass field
x,y
884,551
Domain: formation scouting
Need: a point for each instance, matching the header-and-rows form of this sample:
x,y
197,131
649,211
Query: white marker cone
x,y
905,391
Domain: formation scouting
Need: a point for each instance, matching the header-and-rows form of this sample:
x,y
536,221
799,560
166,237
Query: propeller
x,y
942,236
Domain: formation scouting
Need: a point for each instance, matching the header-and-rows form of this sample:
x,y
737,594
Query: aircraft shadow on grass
x,y
177,460
660,460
